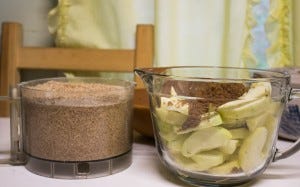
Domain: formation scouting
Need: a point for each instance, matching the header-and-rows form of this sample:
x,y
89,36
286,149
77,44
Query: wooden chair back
x,y
15,57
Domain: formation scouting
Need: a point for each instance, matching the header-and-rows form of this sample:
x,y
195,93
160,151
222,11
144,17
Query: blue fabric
x,y
261,43
290,123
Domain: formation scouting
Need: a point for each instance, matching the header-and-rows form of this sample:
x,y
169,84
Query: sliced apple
x,y
230,147
226,168
210,119
175,103
165,130
176,144
250,154
163,126
241,109
233,123
186,163
257,121
208,159
235,104
204,140
276,107
272,110
170,117
239,133
257,90
250,104
271,124
168,136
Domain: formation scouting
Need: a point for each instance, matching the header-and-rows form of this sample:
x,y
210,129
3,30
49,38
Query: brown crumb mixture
x,y
76,121
76,93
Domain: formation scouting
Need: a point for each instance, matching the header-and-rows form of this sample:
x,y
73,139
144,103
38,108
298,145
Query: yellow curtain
x,y
296,31
241,33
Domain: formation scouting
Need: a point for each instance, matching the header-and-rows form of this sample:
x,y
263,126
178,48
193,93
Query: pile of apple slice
x,y
236,137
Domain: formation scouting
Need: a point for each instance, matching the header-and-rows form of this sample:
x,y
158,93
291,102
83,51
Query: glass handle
x,y
290,151
294,94
17,156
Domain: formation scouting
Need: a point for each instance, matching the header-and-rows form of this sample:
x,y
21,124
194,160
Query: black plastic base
x,y
78,170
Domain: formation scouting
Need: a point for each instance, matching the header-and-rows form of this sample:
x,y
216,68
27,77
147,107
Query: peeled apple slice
x,y
250,154
235,104
204,140
230,147
212,120
176,144
209,120
208,159
171,117
226,168
250,104
265,118
257,121
239,133
238,109
166,131
168,136
271,124
257,90
174,104
164,126
187,163
233,123
275,107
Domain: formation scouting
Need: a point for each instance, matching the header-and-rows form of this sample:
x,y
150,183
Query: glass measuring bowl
x,y
216,125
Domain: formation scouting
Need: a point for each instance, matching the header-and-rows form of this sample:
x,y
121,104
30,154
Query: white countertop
x,y
146,170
